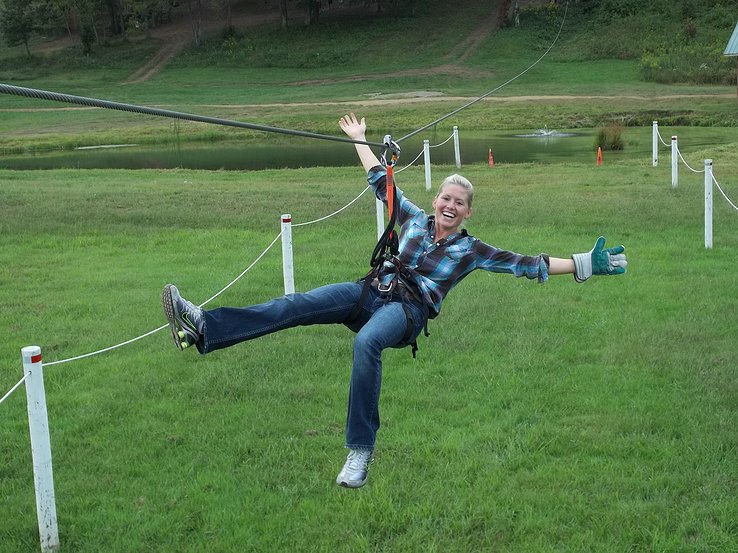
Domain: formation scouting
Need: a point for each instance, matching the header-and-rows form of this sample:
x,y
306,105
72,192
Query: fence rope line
x,y
226,287
246,270
661,139
410,164
714,180
687,164
14,388
421,153
723,193
332,214
442,143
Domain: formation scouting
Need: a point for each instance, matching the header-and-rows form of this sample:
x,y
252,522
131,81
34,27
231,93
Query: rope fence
x,y
709,179
226,287
14,388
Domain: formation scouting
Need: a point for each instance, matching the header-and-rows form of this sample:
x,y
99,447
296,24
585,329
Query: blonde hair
x,y
459,181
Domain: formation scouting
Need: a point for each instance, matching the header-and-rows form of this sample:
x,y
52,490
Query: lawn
x,y
593,417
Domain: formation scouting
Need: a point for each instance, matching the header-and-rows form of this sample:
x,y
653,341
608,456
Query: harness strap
x,y
387,249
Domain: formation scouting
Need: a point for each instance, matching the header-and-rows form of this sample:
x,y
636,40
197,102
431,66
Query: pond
x,y
516,146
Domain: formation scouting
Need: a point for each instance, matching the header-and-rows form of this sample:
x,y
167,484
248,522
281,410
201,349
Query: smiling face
x,y
451,206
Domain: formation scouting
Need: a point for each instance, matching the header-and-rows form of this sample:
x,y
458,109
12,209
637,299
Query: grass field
x,y
562,417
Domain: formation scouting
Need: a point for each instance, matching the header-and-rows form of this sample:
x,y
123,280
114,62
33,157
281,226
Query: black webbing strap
x,y
386,248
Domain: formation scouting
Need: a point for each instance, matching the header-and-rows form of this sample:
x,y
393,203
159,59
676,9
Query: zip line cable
x,y
421,129
107,104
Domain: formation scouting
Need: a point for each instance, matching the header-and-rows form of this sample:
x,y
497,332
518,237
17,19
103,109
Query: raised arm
x,y
356,130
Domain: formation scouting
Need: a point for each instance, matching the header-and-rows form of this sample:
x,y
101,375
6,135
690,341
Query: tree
x,y
55,15
17,21
283,12
195,9
117,19
312,10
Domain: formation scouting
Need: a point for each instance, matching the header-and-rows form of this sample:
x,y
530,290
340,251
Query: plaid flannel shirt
x,y
439,266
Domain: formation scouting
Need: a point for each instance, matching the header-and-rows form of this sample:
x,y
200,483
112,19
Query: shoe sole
x,y
344,484
178,332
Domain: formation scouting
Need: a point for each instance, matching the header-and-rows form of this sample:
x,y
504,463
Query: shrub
x,y
692,63
610,137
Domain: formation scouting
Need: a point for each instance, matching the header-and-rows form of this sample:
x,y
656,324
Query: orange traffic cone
x,y
599,155
491,158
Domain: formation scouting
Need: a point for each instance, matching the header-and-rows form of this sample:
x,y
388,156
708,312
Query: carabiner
x,y
394,147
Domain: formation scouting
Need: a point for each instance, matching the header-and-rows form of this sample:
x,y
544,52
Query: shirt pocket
x,y
415,232
455,252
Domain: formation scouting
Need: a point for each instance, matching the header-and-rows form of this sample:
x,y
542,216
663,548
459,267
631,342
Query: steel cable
x,y
107,104
469,104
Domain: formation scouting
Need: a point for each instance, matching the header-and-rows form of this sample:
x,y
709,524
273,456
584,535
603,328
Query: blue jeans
x,y
381,323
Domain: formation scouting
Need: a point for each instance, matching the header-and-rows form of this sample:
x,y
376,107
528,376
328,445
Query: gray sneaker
x,y
185,318
354,472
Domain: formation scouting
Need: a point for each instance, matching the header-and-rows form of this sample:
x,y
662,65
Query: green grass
x,y
562,417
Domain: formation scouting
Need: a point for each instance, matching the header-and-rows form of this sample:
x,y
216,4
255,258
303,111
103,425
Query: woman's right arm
x,y
356,130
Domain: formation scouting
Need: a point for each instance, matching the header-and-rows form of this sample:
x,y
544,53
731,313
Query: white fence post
x,y
457,151
38,424
380,218
708,204
288,265
655,143
427,164
674,165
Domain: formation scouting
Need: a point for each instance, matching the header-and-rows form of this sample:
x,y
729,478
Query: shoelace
x,y
359,459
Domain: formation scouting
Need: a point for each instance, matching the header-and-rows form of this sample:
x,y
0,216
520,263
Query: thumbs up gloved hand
x,y
599,261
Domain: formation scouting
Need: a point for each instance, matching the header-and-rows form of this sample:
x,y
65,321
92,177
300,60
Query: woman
x,y
434,255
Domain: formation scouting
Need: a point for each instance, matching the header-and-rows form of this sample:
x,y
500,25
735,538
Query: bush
x,y
610,137
692,63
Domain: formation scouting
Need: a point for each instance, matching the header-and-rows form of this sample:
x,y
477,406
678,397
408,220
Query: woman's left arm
x,y
559,266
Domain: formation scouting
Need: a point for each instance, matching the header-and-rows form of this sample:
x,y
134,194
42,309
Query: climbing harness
x,y
403,284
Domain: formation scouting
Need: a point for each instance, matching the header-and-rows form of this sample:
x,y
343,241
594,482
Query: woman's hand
x,y
354,129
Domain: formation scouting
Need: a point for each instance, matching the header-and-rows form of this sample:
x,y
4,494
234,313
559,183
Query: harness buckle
x,y
386,288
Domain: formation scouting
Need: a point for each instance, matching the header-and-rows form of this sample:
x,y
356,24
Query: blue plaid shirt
x,y
439,266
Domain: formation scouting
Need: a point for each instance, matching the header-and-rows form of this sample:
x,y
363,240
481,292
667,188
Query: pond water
x,y
517,146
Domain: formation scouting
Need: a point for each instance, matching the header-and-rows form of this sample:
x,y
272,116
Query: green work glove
x,y
599,261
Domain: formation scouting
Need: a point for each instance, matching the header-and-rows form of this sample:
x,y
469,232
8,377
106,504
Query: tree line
x,y
98,21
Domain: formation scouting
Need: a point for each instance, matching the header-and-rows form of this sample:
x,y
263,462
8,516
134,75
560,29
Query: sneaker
x,y
185,318
354,472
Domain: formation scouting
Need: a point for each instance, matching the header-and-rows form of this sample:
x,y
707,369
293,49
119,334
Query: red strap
x,y
390,189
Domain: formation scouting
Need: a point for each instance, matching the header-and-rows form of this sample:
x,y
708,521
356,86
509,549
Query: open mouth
x,y
448,215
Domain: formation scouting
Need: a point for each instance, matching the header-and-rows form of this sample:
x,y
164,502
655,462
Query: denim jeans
x,y
381,323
